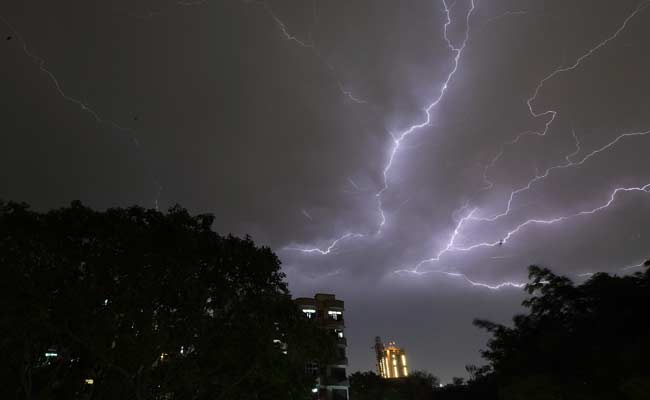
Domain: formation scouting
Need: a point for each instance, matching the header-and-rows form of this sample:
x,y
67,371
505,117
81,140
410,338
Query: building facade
x,y
391,360
327,310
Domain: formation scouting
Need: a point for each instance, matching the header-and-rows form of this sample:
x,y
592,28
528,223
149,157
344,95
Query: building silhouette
x,y
391,360
327,311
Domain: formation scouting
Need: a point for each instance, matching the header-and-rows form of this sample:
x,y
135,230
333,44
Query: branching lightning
x,y
520,227
309,45
567,164
450,247
552,113
399,138
470,214
507,284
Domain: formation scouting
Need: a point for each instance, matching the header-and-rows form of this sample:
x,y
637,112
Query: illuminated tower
x,y
391,360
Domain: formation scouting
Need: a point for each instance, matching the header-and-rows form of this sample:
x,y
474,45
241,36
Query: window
x,y
309,312
335,315
338,333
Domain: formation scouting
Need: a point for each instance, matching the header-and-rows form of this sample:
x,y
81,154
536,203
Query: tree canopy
x,y
139,304
419,385
587,341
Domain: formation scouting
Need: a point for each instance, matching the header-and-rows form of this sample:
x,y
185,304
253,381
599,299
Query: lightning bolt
x,y
629,267
306,214
83,106
506,284
79,103
450,247
568,164
399,138
492,20
329,248
309,45
552,113
457,51
518,228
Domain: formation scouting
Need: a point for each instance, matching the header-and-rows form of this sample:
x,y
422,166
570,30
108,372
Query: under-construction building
x,y
391,360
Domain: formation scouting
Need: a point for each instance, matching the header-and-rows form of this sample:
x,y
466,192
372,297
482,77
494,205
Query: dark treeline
x,y
576,342
138,304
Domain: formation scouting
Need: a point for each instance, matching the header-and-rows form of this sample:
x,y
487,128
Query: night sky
x,y
400,128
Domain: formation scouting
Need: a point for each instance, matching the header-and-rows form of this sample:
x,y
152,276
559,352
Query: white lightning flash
x,y
457,51
540,85
450,247
567,164
399,138
507,284
518,228
329,248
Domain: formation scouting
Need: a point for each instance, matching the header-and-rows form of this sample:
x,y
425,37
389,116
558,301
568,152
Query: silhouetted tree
x,y
366,386
457,381
418,385
589,341
145,305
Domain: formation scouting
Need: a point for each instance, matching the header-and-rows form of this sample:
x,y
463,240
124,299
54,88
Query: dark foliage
x,y
577,342
369,386
590,341
148,305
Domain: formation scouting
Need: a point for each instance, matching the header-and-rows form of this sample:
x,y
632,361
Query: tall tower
x,y
391,360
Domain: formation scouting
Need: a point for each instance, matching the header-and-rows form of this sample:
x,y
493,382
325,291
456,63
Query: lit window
x,y
89,381
309,312
337,315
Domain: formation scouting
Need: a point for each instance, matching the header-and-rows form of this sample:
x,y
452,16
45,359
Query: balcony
x,y
341,361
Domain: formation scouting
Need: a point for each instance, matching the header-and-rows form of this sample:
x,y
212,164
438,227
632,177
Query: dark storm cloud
x,y
233,118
